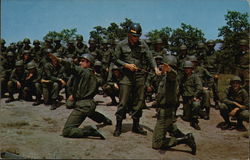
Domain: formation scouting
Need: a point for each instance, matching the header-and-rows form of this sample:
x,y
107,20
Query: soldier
x,y
52,82
106,54
212,64
26,44
201,52
59,48
36,51
81,48
19,50
242,61
32,84
190,90
94,49
85,87
3,49
235,103
111,88
132,54
207,83
182,56
26,57
70,51
167,101
16,82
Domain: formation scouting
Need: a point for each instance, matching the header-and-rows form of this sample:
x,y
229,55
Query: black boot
x,y
137,128
54,105
195,125
118,128
107,122
188,139
38,102
206,117
96,133
10,99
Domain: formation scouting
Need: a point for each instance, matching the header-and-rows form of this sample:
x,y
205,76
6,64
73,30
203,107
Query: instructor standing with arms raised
x,y
134,56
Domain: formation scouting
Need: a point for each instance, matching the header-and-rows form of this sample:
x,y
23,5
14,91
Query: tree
x,y
65,34
237,28
163,33
188,35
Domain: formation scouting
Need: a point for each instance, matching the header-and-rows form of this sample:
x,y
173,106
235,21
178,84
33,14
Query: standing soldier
x,y
70,51
242,61
16,82
235,103
167,102
26,44
94,49
81,48
132,54
190,90
32,84
37,51
182,56
212,64
19,49
3,48
201,52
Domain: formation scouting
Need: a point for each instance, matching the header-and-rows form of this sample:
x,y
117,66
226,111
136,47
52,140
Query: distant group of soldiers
x,y
133,70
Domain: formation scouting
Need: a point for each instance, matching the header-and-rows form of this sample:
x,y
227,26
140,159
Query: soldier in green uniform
x,y
52,82
242,61
159,49
81,48
94,49
3,47
59,48
207,83
85,87
201,52
37,51
181,56
111,88
19,50
32,85
70,51
213,65
167,101
16,81
235,103
133,55
190,90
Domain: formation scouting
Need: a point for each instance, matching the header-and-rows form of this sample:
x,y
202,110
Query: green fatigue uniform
x,y
26,45
52,88
190,87
213,65
242,65
84,89
167,100
8,65
81,48
37,51
17,75
132,83
241,96
109,88
207,83
19,50
70,51
3,48
3,81
60,49
32,86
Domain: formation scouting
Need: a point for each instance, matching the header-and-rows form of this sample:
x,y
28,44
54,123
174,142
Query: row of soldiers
x,y
130,70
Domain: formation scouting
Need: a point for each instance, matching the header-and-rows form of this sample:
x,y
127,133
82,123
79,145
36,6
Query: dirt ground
x,y
35,132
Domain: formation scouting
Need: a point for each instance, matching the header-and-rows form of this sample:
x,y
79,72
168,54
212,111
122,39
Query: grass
x,y
224,80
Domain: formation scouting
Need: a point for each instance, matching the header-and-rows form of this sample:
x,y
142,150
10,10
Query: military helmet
x,y
49,40
188,64
158,41
243,42
210,43
192,58
10,54
19,63
201,45
183,47
3,41
26,52
115,67
31,65
235,78
98,63
89,57
79,37
19,43
26,40
36,42
170,60
158,57
135,29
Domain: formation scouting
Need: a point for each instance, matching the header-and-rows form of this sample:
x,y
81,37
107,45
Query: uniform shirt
x,y
205,76
53,73
211,62
190,86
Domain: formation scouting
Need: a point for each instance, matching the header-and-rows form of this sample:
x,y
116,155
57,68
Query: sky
x,y
35,18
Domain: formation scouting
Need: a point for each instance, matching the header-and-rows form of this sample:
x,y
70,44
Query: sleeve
x,y
49,75
198,86
226,97
117,56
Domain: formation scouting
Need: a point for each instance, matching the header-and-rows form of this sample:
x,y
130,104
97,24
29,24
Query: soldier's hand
x,y
205,88
18,84
165,68
196,99
157,71
44,81
216,76
71,98
239,105
63,82
53,57
233,112
116,86
131,67
29,76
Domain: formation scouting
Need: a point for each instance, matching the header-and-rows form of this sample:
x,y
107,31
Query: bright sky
x,y
34,18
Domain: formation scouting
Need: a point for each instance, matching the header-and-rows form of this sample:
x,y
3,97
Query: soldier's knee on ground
x,y
244,115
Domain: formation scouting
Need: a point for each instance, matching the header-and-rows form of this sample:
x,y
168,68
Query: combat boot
x,y
240,127
206,117
107,122
118,128
54,105
96,133
137,128
195,125
38,102
188,140
10,99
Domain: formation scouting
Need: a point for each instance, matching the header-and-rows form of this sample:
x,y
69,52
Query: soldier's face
x,y
84,63
188,71
235,85
133,39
